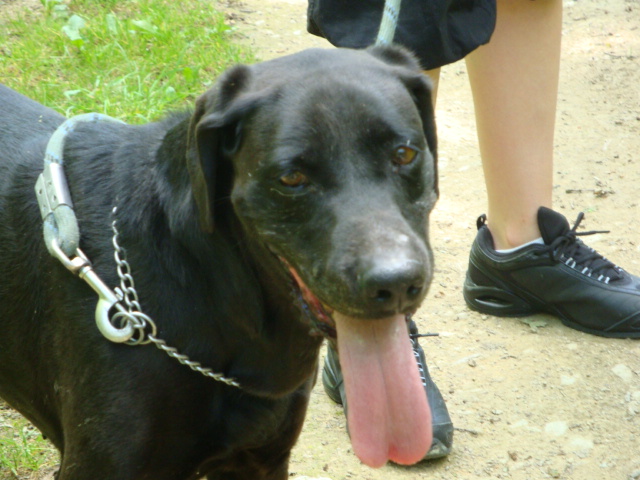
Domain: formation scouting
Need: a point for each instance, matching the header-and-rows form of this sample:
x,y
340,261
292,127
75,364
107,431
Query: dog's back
x,y
24,126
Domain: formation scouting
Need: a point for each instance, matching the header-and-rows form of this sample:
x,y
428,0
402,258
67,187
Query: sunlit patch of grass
x,y
132,59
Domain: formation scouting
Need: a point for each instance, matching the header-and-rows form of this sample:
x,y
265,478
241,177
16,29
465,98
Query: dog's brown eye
x,y
404,155
294,179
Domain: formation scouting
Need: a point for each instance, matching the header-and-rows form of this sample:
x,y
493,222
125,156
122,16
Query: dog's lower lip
x,y
319,312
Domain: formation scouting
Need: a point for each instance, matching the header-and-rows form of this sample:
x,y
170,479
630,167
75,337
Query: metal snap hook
x,y
103,322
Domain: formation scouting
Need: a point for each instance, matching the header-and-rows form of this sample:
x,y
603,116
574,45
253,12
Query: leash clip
x,y
80,266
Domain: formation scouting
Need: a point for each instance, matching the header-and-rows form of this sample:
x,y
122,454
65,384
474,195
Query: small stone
x,y
556,428
581,446
520,423
624,372
554,473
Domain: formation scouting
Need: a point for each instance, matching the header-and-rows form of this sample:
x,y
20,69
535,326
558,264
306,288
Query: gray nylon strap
x,y
56,207
389,22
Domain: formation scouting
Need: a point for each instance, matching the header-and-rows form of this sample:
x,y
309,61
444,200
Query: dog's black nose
x,y
394,285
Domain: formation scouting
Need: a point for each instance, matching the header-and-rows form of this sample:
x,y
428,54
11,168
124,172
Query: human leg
x,y
434,76
514,80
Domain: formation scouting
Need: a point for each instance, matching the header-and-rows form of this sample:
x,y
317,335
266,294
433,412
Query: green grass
x,y
22,448
131,59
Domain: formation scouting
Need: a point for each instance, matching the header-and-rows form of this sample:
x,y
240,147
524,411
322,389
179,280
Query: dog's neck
x,y
279,323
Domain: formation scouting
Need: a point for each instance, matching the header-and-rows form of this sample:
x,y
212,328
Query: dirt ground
x,y
530,398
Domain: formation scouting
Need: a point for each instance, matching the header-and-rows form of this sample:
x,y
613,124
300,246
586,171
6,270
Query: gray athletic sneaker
x,y
564,277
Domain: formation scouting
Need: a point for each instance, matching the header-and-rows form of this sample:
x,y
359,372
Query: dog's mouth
x,y
388,415
316,311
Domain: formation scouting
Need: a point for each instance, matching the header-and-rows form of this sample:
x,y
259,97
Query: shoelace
x,y
413,330
421,335
414,335
573,252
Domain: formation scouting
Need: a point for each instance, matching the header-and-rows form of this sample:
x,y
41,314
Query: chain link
x,y
144,326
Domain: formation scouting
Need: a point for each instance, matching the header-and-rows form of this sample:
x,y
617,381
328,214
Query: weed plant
x,y
22,448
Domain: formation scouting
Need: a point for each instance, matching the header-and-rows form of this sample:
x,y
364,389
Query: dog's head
x,y
333,156
333,159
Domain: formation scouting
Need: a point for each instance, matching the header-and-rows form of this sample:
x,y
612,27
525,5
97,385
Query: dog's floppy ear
x,y
215,134
419,86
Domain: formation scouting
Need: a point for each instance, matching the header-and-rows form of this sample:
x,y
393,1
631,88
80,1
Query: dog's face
x,y
332,155
334,171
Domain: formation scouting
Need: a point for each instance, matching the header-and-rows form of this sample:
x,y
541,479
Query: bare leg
x,y
514,80
434,76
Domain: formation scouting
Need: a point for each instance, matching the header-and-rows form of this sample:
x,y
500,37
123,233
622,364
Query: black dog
x,y
293,204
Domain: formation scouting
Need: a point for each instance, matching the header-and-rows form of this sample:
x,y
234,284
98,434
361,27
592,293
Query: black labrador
x,y
292,205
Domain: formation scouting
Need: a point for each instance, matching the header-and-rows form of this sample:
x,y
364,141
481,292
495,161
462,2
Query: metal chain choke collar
x,y
147,328
119,316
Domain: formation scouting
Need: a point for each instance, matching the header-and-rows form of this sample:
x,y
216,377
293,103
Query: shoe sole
x,y
500,302
437,450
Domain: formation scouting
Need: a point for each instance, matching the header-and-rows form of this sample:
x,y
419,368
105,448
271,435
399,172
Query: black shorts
x,y
437,31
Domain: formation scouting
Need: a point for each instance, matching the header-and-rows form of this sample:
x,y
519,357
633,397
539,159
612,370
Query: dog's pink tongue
x,y
388,414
